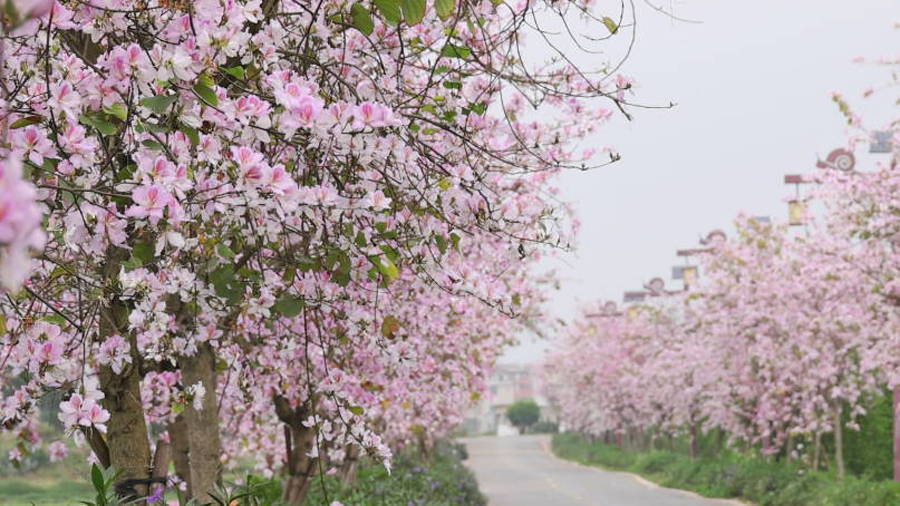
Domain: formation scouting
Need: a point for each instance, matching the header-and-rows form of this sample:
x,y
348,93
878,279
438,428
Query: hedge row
x,y
733,475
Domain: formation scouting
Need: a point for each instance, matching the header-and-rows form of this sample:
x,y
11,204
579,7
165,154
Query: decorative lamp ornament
x,y
714,238
881,142
839,159
689,274
632,312
656,286
796,212
610,308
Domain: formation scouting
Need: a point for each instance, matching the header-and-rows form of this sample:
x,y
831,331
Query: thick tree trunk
x,y
127,442
127,439
180,451
838,443
203,425
424,446
817,450
300,465
299,443
126,435
350,464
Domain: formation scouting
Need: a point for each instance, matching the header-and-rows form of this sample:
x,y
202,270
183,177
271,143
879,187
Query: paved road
x,y
521,471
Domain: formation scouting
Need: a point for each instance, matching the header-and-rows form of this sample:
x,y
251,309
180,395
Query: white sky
x,y
752,84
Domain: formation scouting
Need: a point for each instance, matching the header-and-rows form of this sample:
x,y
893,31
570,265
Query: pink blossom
x,y
34,142
372,115
58,451
33,8
150,201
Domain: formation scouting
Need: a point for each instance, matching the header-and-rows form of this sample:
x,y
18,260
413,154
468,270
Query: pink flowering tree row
x,y
787,336
772,346
294,232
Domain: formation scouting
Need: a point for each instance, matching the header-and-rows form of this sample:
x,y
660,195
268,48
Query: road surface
x,y
521,471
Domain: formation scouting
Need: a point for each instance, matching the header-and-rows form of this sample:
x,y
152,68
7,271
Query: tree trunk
x,y
127,442
300,465
838,442
299,442
180,451
350,464
202,425
127,439
126,435
817,449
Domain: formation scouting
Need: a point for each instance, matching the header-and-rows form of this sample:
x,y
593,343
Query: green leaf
x,y
236,72
454,51
444,8
97,478
390,326
24,122
389,10
117,110
454,240
178,408
479,108
288,305
98,122
362,19
206,80
413,11
143,251
445,184
159,103
191,134
206,93
452,85
441,243
357,410
150,143
610,24
224,251
386,267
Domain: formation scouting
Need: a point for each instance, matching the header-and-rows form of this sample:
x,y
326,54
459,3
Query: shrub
x,y
731,474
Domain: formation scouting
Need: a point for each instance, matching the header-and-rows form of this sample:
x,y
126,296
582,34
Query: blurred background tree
x,y
523,414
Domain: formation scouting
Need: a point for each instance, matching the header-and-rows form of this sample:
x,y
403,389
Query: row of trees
x,y
288,231
790,333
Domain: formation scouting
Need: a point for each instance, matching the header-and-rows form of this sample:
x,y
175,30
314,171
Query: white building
x,y
508,383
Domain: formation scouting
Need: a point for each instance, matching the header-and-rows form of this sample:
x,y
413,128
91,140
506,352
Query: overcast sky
x,y
752,84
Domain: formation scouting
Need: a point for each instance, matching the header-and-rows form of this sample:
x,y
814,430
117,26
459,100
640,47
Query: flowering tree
x,y
268,224
772,344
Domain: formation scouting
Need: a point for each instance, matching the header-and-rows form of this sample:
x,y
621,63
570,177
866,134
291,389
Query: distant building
x,y
508,383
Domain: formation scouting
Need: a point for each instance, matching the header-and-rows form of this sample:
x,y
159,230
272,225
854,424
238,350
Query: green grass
x,y
25,491
734,475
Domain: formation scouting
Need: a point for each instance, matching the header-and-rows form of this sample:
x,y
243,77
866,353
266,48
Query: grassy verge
x,y
733,475
441,481
23,491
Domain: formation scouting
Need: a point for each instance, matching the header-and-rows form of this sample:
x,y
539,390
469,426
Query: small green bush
x,y
441,481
